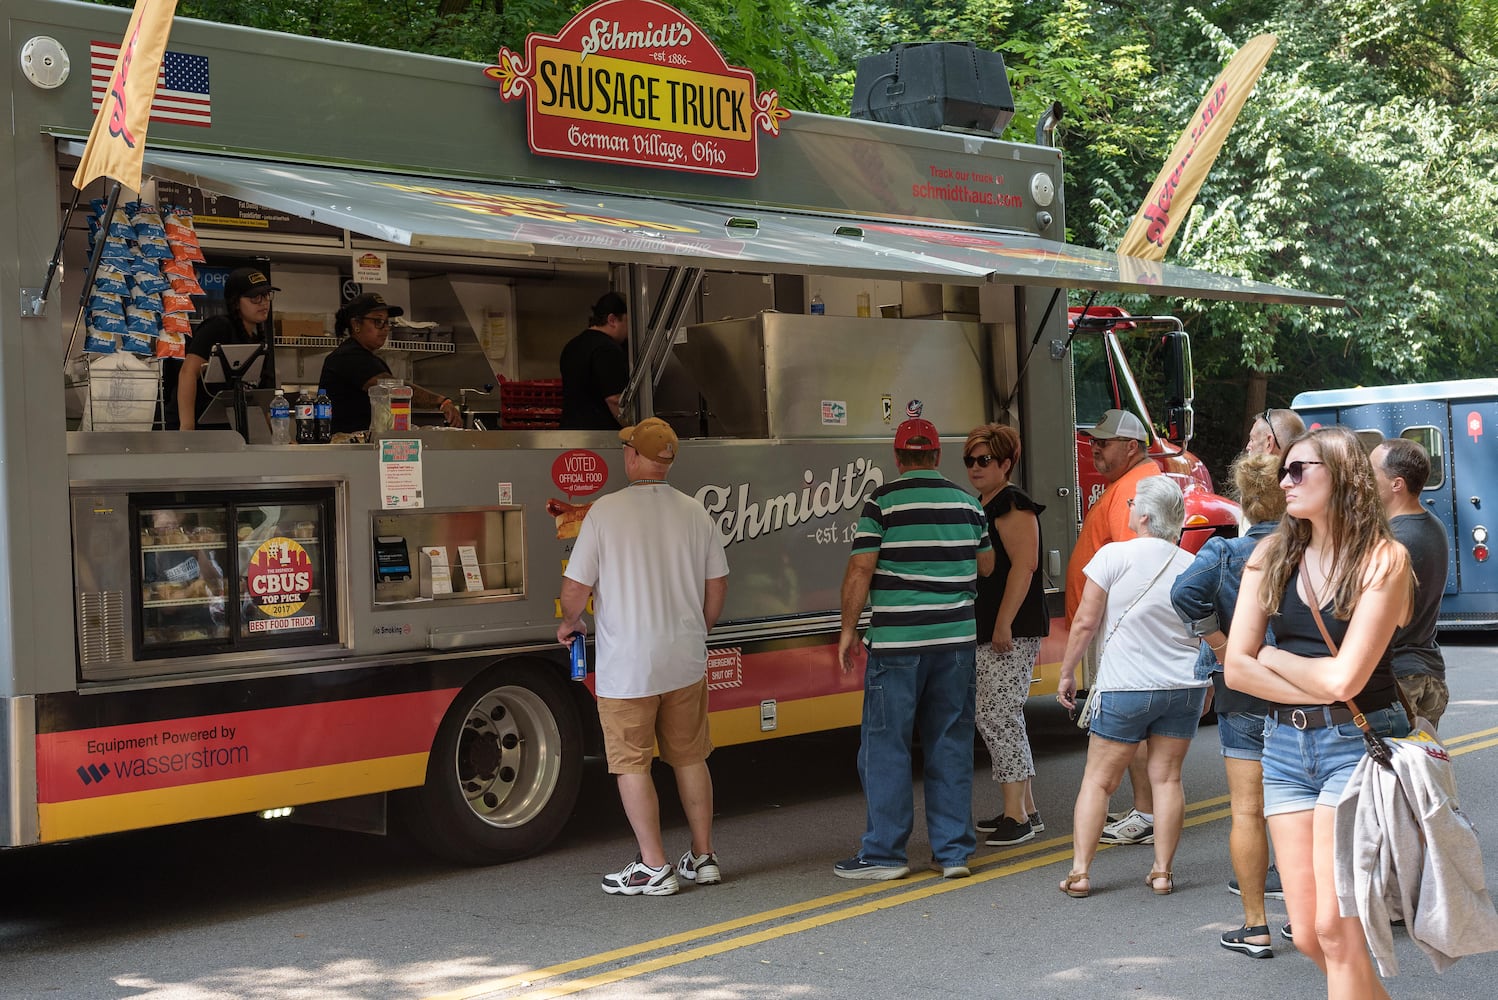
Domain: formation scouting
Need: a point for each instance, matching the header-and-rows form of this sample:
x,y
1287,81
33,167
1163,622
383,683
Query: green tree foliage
x,y
781,40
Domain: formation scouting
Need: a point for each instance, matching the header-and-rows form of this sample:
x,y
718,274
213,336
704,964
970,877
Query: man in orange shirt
x,y
1120,455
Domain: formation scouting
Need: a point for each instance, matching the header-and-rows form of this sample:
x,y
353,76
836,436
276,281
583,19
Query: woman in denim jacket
x,y
1204,597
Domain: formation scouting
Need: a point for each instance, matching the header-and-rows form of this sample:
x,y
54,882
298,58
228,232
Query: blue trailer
x,y
1457,423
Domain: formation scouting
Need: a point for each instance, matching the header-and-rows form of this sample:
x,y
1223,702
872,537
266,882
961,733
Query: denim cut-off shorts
x,y
1241,735
1133,716
1304,768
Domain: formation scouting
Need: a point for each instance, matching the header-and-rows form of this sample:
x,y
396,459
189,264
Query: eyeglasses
x,y
1130,502
1296,471
1272,435
260,299
378,324
981,461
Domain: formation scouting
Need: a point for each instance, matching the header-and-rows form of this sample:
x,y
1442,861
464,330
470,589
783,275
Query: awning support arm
x,y
681,285
1034,341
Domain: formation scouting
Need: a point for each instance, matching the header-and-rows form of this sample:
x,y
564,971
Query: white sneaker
x,y
637,878
1132,829
700,868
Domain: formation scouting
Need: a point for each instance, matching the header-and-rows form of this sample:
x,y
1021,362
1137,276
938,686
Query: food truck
x,y
199,624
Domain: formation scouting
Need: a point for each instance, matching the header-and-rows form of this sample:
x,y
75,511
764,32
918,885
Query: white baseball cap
x,y
1119,424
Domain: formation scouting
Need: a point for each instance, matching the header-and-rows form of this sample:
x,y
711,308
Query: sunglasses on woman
x,y
1296,471
981,461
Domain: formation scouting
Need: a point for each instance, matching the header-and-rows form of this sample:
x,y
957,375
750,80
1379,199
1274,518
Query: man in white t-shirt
x,y
653,561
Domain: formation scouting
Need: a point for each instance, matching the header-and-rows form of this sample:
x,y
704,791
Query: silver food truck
x,y
199,624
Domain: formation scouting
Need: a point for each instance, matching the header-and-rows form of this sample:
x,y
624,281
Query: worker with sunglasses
x,y
355,366
1272,430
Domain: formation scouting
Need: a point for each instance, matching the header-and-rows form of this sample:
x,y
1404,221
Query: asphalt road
x,y
246,909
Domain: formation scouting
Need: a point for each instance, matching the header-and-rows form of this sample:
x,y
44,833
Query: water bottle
x,y
322,412
579,657
280,419
306,419
818,307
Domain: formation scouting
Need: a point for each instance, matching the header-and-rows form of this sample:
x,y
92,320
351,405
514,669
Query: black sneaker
x,y
700,868
1036,823
1273,889
637,878
857,867
1285,933
988,825
1009,832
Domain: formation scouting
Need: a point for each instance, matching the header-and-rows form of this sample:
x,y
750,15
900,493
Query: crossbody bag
x,y
1089,706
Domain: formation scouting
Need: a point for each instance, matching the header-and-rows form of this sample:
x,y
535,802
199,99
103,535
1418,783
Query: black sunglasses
x,y
981,461
1296,471
1272,435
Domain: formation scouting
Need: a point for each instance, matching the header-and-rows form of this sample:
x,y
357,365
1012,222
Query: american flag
x,y
181,86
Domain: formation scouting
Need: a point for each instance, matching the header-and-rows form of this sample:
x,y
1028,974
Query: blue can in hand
x,y
579,657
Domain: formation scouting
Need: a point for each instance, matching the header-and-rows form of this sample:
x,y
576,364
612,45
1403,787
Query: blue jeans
x,y
934,691
1241,735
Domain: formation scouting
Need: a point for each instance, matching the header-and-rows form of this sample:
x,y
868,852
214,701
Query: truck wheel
x,y
504,769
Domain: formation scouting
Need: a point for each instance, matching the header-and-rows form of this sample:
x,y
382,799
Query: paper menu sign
x,y
442,581
468,558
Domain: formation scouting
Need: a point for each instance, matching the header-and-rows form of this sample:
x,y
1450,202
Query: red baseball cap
x,y
917,434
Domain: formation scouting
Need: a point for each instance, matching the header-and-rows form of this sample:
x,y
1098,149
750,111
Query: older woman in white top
x,y
1146,683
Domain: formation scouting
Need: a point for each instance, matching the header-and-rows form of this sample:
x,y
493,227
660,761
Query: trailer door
x,y
1474,490
1432,424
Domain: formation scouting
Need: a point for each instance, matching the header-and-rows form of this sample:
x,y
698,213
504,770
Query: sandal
x,y
1170,885
1068,885
1238,941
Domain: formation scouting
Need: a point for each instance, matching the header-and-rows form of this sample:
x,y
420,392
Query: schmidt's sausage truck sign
x,y
637,82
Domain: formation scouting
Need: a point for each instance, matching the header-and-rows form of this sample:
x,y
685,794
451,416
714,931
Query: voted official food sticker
x,y
280,581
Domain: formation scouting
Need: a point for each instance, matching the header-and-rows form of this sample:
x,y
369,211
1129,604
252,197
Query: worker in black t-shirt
x,y
595,369
354,366
247,294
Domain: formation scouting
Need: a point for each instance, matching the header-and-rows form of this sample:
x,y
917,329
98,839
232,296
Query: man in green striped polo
x,y
920,545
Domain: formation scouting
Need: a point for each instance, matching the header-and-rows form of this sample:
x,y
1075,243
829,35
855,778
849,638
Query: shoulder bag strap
x,y
1119,620
1376,747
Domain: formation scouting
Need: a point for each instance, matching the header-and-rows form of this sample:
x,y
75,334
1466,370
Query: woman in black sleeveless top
x,y
1011,622
1332,550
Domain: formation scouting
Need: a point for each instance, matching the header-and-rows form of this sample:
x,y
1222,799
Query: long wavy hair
x,y
1355,522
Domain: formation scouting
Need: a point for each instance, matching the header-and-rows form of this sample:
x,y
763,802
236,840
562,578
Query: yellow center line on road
x,y
534,976
875,897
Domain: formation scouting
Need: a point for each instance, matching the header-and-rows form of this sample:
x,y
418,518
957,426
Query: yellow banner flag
x,y
1186,168
118,139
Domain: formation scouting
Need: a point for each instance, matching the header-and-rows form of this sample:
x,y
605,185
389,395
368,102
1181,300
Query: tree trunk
x,y
1255,400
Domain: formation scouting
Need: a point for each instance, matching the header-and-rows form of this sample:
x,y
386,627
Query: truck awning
x,y
465,216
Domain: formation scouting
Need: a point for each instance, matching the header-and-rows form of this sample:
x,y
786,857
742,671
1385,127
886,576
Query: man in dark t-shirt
x,y
595,369
1401,468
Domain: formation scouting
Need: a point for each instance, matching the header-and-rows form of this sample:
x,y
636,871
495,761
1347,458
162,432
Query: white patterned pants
x,y
1003,686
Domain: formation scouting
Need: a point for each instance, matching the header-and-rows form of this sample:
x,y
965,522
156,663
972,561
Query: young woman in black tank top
x,y
1332,550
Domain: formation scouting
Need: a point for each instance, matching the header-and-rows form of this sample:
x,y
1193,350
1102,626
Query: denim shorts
x,y
1304,768
1241,735
1131,716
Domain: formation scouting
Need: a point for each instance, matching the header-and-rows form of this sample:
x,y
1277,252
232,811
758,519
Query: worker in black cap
x,y
595,369
247,296
355,366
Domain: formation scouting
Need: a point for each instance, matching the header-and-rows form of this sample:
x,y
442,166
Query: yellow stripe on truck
x,y
232,796
793,718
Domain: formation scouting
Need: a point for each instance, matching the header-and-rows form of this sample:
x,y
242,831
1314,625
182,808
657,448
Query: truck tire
x,y
504,770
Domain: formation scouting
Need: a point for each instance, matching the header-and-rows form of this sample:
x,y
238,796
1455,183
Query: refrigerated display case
x,y
209,572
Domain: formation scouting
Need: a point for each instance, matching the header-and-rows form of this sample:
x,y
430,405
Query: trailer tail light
x,y
1480,552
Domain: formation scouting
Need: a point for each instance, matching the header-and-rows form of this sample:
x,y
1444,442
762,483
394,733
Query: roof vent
x,y
952,85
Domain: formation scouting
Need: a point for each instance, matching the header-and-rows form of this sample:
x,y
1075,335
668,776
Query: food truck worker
x,y
354,366
247,294
595,369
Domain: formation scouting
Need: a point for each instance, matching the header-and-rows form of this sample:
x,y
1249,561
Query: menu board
x,y
218,212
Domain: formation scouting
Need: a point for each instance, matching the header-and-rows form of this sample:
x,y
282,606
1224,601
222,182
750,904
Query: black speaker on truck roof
x,y
934,85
